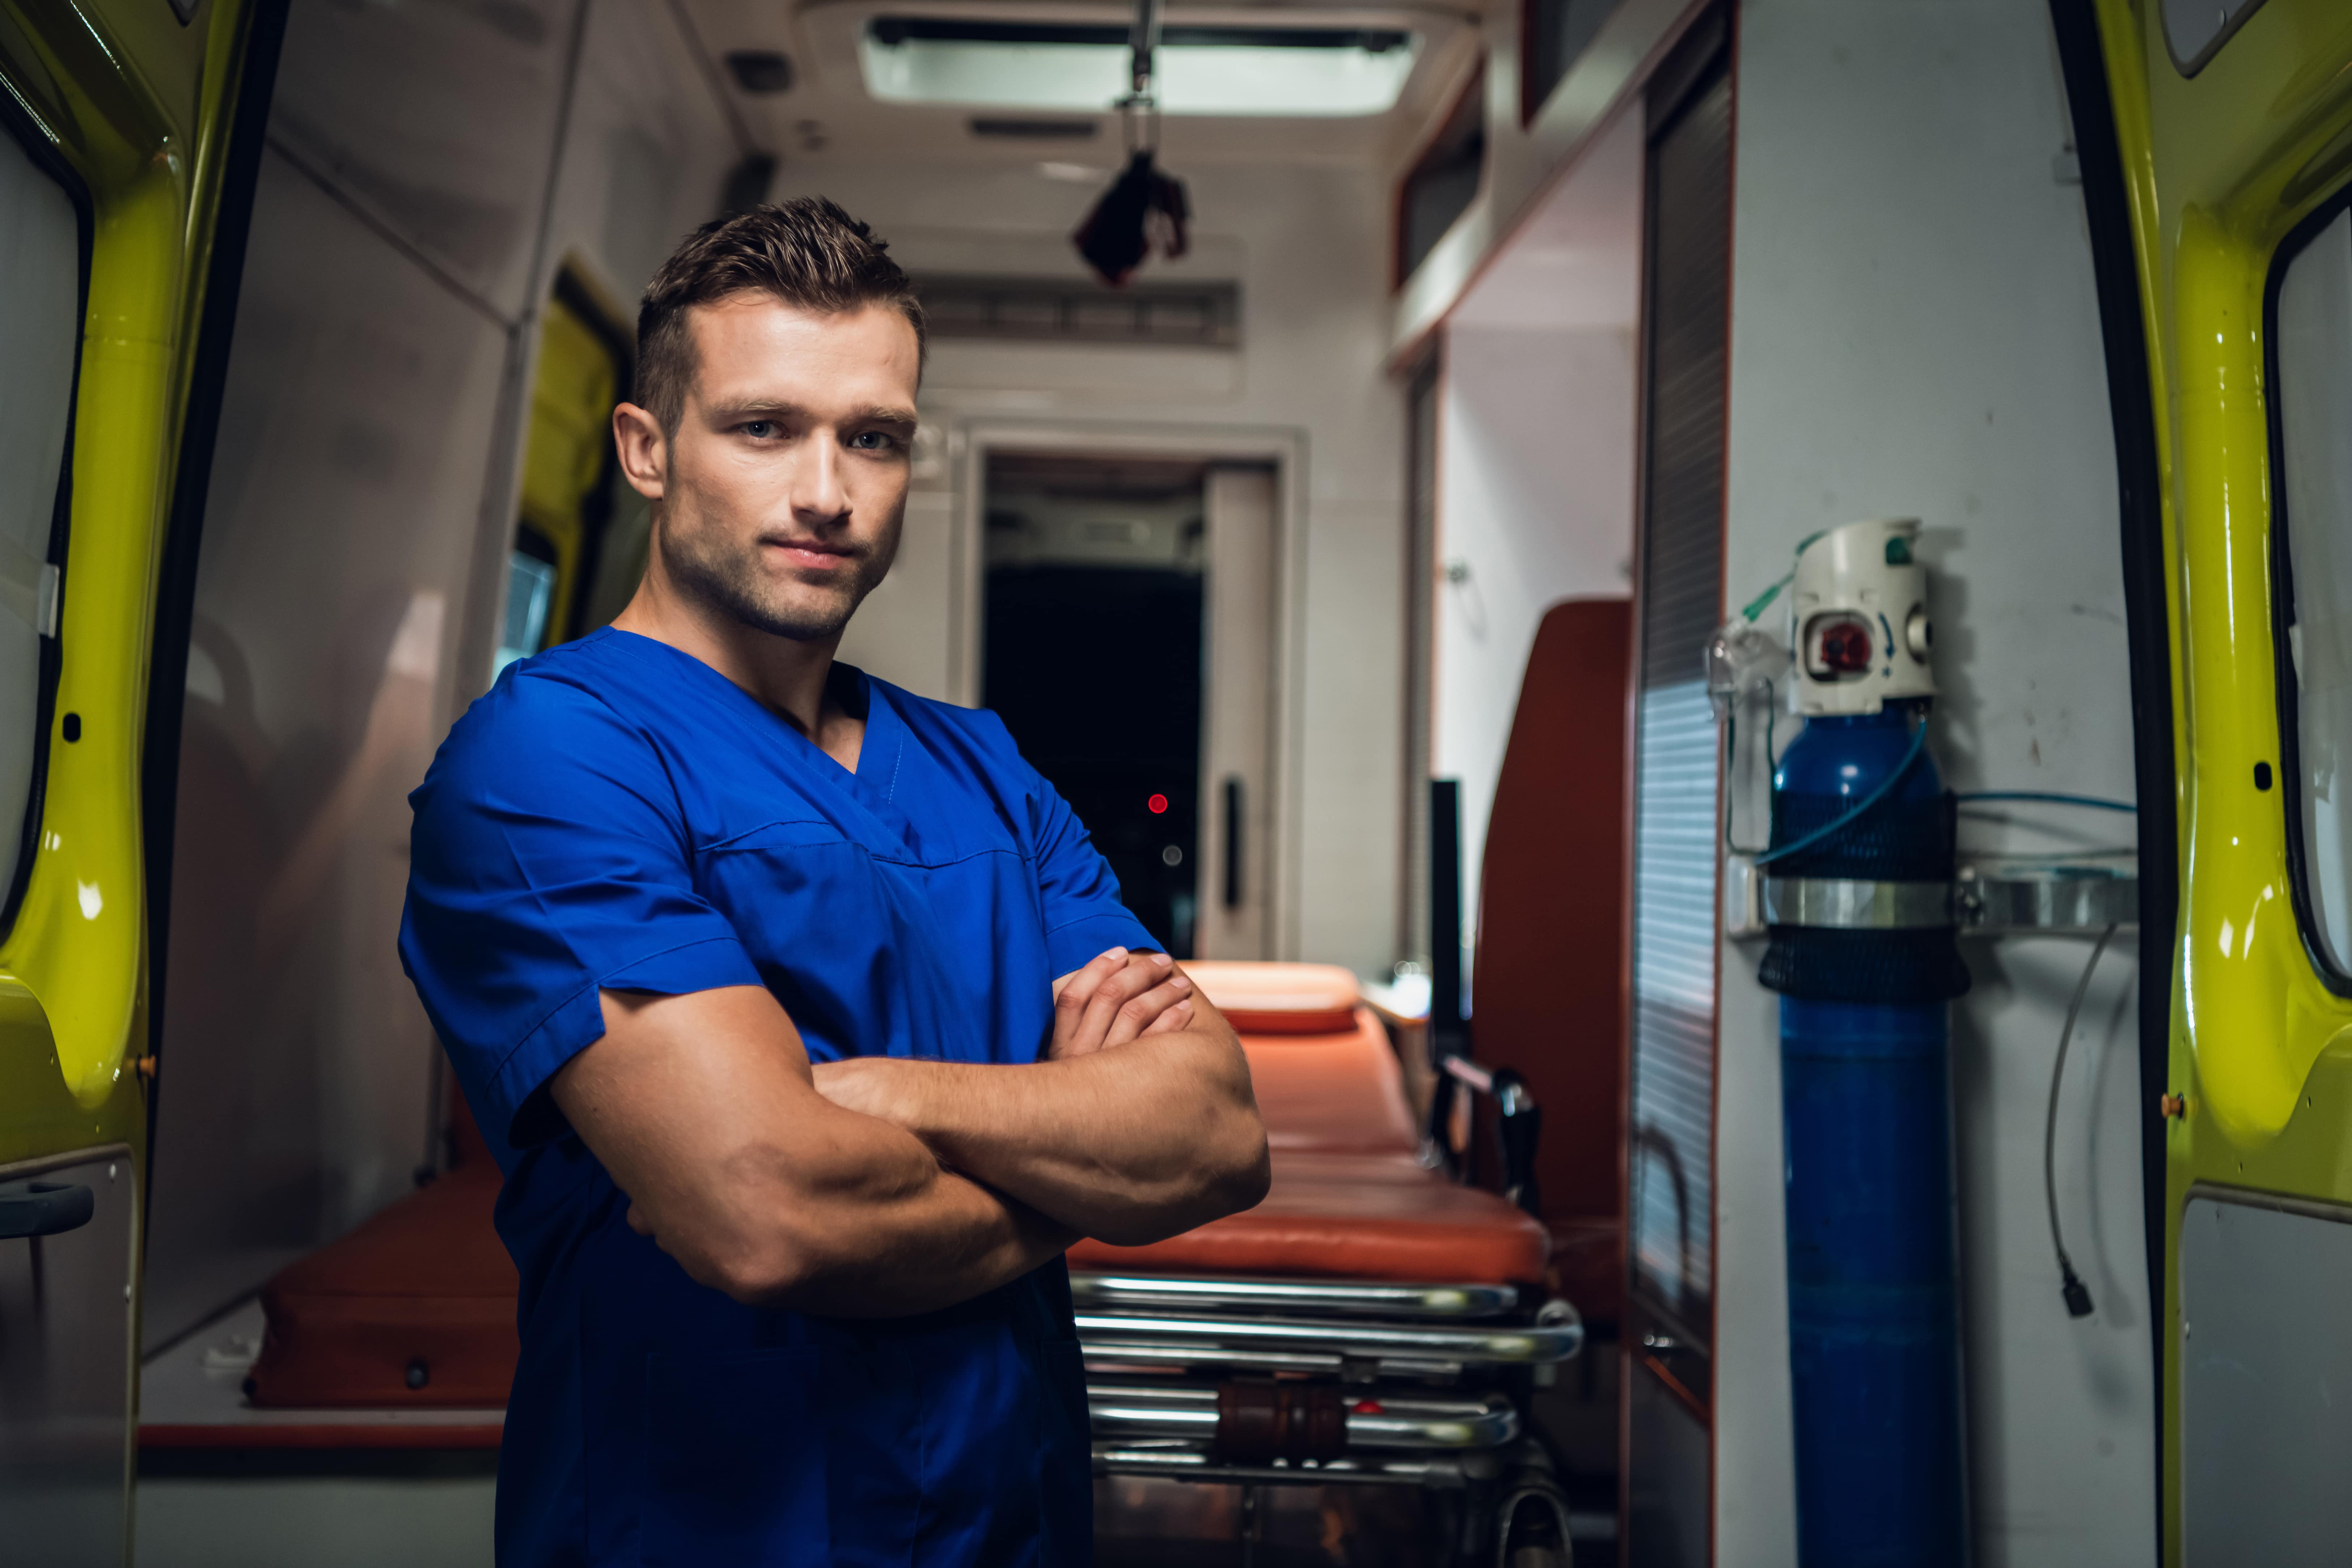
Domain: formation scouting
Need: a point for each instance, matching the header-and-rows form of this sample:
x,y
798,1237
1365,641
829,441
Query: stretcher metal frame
x,y
1422,1384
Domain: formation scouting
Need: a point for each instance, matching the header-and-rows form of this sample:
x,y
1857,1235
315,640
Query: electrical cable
x,y
1885,788
2078,1297
2093,801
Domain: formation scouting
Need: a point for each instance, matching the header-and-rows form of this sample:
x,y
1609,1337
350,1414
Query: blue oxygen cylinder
x,y
1873,1310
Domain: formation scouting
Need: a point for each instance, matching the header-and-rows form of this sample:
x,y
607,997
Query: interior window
x,y
1444,180
531,594
1552,39
2311,338
40,321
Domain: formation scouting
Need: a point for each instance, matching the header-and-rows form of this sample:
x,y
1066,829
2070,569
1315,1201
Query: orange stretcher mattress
x,y
1346,1216
1350,1197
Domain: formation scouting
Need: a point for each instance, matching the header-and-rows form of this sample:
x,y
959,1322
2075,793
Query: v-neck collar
x,y
873,783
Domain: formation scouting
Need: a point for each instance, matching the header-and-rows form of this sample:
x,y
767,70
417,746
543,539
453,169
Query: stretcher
x,y
1374,1321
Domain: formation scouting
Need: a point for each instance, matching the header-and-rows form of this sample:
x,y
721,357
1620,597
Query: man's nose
x,y
817,495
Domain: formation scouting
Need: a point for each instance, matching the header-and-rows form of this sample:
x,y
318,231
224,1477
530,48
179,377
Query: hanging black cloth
x,y
1142,208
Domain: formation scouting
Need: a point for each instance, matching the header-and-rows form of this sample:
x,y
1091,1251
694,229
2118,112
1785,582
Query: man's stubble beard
x,y
729,580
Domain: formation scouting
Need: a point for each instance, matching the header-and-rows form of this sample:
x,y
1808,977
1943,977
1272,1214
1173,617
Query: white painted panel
x,y
1899,356
1236,739
339,534
1535,462
1534,506
2266,1376
65,1361
437,121
646,151
901,633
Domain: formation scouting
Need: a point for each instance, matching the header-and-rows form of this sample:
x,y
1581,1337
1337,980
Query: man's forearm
x,y
1128,1145
956,1240
866,1225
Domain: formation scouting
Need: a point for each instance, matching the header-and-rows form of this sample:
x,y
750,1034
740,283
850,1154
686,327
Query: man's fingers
x,y
1077,991
1175,1018
1139,1013
1139,974
1096,969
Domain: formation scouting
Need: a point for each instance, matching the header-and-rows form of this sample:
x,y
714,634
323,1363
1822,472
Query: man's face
x,y
786,481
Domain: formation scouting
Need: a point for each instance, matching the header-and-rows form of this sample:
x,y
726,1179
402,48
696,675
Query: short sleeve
x,y
1078,890
549,861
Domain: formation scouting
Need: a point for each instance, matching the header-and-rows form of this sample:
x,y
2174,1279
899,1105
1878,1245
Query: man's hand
x,y
1119,996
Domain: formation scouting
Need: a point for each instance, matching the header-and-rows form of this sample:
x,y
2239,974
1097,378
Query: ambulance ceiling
x,y
1033,82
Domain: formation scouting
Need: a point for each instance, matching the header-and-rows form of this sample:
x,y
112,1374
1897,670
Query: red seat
x,y
1551,933
415,1307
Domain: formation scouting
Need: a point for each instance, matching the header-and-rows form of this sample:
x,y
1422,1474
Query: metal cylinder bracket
x,y
1851,904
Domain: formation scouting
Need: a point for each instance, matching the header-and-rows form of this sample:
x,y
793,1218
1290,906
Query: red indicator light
x,y
1842,647
1156,805
1367,1407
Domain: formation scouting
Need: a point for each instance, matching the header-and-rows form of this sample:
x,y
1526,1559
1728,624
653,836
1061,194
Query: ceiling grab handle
x,y
1143,207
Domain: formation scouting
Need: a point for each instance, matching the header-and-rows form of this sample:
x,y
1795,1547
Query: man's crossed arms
x,y
877,1187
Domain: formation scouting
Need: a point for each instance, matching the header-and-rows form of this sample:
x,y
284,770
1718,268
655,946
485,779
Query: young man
x,y
805,1022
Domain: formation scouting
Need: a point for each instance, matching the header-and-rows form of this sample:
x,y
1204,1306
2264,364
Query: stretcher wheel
x,y
1531,1528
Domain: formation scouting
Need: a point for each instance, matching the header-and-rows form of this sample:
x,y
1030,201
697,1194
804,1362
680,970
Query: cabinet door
x,y
66,1355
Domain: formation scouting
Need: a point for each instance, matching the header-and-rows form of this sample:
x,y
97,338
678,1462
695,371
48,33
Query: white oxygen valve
x,y
1858,619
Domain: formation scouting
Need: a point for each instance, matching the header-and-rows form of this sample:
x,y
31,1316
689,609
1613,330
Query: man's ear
x,y
644,450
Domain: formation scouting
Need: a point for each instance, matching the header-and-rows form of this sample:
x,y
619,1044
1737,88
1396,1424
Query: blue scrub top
x,y
618,814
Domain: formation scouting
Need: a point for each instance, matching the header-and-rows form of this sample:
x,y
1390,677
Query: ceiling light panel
x,y
1297,72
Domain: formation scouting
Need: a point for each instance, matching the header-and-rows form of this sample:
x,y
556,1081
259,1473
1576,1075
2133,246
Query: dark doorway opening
x,y
1093,657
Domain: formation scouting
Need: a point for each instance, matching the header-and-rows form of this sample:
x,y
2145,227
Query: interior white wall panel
x,y
1525,155
1898,355
1535,506
646,148
1536,460
1312,275
346,494
440,121
354,545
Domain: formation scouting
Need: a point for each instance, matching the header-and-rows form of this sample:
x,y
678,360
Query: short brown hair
x,y
806,252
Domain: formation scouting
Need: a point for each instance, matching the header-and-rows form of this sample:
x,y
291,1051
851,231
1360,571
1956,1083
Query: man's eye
x,y
758,429
873,441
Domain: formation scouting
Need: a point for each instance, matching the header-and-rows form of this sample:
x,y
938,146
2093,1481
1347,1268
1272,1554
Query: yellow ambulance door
x,y
2230,130
119,130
